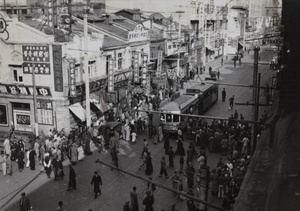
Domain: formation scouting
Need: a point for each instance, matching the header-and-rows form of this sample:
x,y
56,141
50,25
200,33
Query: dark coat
x,y
97,181
148,202
72,175
24,204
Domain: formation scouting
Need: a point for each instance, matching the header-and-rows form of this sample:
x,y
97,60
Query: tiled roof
x,y
112,29
111,42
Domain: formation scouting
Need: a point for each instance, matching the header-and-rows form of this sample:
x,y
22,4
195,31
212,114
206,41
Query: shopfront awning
x,y
78,111
209,47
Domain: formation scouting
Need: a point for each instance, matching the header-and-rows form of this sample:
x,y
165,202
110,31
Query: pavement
x,y
45,193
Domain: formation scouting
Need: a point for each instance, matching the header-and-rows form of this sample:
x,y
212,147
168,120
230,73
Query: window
x,y
18,77
175,118
169,118
120,59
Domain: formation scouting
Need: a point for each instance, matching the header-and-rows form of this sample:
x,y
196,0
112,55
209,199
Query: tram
x,y
184,104
207,95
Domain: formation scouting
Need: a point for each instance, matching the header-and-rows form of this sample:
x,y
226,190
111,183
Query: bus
x,y
184,104
207,96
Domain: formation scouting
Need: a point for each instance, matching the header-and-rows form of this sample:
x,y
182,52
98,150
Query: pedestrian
x,y
149,166
3,162
151,186
6,145
20,158
163,167
214,183
145,148
37,150
144,157
47,166
97,181
32,155
126,206
241,117
231,101
180,149
133,137
181,162
72,178
134,205
148,201
60,206
24,203
57,168
223,95
175,181
114,157
222,61
8,165
190,172
218,74
171,155
236,115
166,145
160,135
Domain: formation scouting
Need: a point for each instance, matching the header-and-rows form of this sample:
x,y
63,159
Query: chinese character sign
x,y
35,53
211,6
45,112
144,70
136,67
72,79
38,68
110,76
57,68
159,63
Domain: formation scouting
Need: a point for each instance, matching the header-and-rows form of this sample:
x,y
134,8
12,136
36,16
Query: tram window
x,y
175,118
169,118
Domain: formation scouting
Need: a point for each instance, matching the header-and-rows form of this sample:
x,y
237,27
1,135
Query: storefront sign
x,y
50,13
45,112
122,76
138,34
35,53
171,73
22,120
144,70
38,68
136,68
57,68
23,90
3,115
72,79
159,63
211,6
111,83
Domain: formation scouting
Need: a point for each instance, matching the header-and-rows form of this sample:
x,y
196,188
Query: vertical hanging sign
x,y
211,6
111,76
72,79
144,70
159,63
57,68
136,68
50,13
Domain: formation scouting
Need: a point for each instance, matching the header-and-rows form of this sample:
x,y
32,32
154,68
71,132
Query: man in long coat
x,y
72,178
97,181
24,203
134,200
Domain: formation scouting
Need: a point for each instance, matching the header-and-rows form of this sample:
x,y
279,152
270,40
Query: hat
x,y
23,194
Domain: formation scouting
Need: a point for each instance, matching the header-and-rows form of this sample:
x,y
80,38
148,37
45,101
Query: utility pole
x,y
86,66
255,97
36,124
179,42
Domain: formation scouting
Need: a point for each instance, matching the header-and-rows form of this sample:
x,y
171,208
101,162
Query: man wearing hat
x,y
24,203
97,181
148,201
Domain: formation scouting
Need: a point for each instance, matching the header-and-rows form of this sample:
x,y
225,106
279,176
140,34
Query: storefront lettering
x,y
3,90
23,90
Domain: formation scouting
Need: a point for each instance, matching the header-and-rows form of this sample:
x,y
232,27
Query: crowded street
x,y
138,105
117,186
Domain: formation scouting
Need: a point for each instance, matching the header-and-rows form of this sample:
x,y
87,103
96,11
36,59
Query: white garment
x,y
133,137
6,146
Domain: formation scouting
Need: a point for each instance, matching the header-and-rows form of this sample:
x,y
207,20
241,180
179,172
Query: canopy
x,y
79,111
